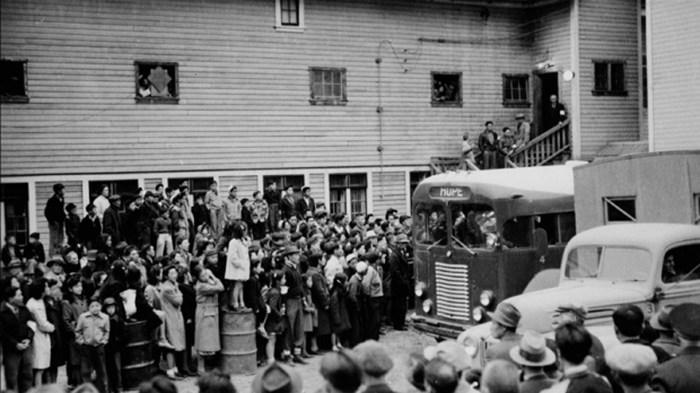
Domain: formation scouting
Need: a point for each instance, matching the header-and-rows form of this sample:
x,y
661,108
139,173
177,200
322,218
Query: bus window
x,y
517,232
473,224
430,224
560,227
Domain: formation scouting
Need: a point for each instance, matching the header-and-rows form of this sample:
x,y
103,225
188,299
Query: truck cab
x,y
649,265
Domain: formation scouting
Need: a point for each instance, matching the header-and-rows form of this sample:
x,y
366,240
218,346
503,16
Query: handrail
x,y
544,148
540,137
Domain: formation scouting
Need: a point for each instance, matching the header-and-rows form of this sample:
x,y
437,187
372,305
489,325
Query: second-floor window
x,y
13,80
446,89
328,86
609,78
289,15
156,82
515,90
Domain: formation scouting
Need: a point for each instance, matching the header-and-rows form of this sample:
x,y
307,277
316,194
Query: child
x,y
310,316
467,151
92,334
238,266
162,228
339,311
276,311
113,356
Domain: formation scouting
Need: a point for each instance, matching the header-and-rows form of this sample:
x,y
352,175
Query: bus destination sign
x,y
446,192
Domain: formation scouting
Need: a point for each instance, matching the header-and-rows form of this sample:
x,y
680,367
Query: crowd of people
x,y
313,281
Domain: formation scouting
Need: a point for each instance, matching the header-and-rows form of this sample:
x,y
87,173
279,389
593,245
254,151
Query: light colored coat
x,y
41,343
206,318
174,322
237,261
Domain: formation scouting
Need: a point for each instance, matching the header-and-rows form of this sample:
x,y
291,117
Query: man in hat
x,y
306,203
554,113
72,224
55,265
533,355
277,378
373,294
661,323
399,270
576,313
148,213
488,144
629,323
453,353
112,222
680,374
55,216
90,229
294,304
375,363
632,366
504,322
522,131
288,203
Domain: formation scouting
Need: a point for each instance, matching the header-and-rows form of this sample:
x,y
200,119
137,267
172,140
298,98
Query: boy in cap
x,y
504,322
680,374
632,366
375,363
293,302
532,355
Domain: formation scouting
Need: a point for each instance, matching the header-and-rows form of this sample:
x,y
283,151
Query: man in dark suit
x,y
16,340
680,374
55,215
554,113
112,223
574,343
629,323
272,197
288,205
305,203
504,322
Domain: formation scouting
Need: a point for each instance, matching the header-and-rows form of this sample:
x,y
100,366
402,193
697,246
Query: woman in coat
x,y
72,306
339,311
238,265
206,325
174,321
41,343
55,316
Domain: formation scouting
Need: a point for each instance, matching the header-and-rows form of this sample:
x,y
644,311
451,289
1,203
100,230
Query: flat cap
x,y
632,359
372,257
685,320
373,358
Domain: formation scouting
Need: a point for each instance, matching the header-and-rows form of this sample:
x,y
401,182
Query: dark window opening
x,y
15,198
515,90
415,179
474,225
328,86
681,264
609,78
123,188
620,209
446,89
13,81
344,188
156,82
199,185
560,227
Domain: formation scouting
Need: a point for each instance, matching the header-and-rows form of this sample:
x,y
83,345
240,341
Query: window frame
x,y
340,101
175,182
513,103
115,187
347,190
283,181
609,203
18,98
447,104
279,26
151,99
696,201
609,90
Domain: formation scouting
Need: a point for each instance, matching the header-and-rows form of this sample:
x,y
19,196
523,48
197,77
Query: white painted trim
x,y
141,182
650,77
307,176
348,201
289,29
31,205
407,191
327,191
164,182
85,185
261,185
370,193
576,82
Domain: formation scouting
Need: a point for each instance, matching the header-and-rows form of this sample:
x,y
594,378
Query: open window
x,y
156,82
13,81
446,89
681,264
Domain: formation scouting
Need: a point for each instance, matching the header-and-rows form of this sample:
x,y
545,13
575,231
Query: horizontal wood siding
x,y
244,87
676,73
317,186
551,42
73,193
389,190
149,184
608,30
247,185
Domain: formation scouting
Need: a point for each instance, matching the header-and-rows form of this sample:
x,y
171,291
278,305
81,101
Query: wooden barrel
x,y
137,355
238,351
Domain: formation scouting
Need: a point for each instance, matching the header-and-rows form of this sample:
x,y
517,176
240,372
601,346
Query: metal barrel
x,y
238,350
137,355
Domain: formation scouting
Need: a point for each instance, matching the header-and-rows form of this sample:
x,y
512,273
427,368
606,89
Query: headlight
x,y
427,306
486,298
420,289
478,314
471,346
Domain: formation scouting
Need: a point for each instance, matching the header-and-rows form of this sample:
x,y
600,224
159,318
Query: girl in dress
x,y
41,343
238,265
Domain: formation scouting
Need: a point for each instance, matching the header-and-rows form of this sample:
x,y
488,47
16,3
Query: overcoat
x,y
237,261
174,322
321,299
679,374
54,314
71,310
206,319
41,344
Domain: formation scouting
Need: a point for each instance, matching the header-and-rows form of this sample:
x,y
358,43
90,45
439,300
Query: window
x,y
296,181
515,90
560,227
156,82
609,78
415,179
198,185
446,89
620,209
696,197
328,86
430,224
348,193
681,264
15,208
608,263
120,187
13,87
289,15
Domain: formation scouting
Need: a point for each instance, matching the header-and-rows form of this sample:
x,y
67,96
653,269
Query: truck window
x,y
430,224
608,263
681,264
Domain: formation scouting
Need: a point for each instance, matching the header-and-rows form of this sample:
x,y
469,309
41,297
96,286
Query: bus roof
x,y
527,190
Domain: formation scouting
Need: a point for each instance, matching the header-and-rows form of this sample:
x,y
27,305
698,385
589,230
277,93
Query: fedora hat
x,y
506,314
277,378
662,319
532,351
290,250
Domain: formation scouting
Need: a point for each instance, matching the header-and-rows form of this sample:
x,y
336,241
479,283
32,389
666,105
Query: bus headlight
x,y
420,289
486,298
427,306
471,346
478,314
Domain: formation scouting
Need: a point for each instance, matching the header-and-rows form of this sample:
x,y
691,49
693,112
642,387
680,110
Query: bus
x,y
480,237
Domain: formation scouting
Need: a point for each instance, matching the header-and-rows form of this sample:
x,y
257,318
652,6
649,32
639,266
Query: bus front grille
x,y
452,291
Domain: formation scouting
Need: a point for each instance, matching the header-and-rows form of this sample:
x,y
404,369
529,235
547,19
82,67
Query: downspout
x,y
380,117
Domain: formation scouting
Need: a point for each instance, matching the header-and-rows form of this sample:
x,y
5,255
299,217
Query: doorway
x,y
15,211
546,84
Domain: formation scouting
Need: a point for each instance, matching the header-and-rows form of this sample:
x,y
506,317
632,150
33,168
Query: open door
x,y
545,85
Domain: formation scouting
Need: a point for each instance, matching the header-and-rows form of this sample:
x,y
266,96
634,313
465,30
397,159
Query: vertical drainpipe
x,y
380,114
575,125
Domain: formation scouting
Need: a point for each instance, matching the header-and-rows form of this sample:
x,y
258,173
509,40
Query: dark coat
x,y
536,384
680,374
54,314
321,299
302,207
89,232
288,207
35,250
129,228
9,253
112,224
275,319
200,214
72,227
54,211
188,308
116,334
339,311
14,328
399,272
272,196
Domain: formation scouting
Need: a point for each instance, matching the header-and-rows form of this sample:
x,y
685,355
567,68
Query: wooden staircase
x,y
547,148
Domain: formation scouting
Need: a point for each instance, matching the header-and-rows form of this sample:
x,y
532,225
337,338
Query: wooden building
x,y
350,98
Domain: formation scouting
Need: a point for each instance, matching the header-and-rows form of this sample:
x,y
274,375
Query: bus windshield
x,y
608,263
430,224
474,225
